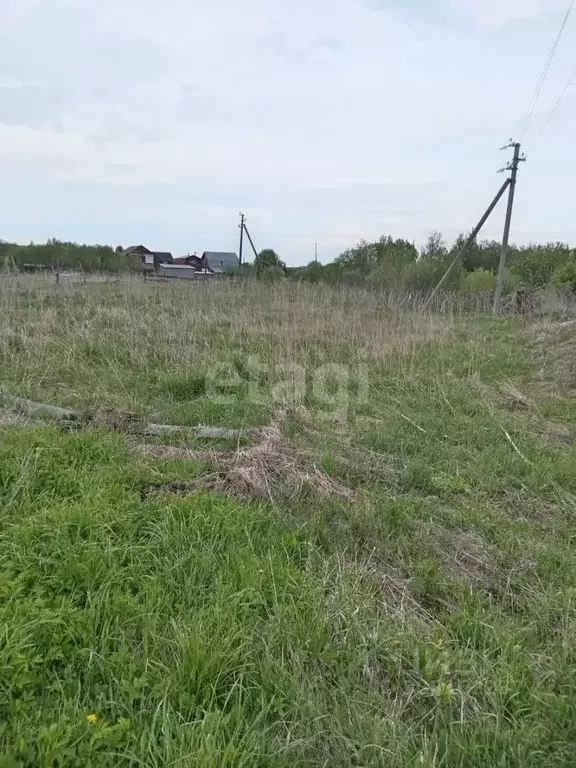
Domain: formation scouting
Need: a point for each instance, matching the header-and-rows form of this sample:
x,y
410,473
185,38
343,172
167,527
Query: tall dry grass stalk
x,y
180,324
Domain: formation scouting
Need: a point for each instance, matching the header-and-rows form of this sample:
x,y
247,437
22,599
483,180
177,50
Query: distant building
x,y
210,263
190,261
214,262
162,257
135,250
149,259
220,261
183,272
145,256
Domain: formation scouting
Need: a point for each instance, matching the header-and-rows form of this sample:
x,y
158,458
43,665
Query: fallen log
x,y
120,422
224,433
32,409
208,433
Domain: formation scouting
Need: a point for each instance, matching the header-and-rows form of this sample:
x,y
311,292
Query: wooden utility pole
x,y
241,240
513,167
244,231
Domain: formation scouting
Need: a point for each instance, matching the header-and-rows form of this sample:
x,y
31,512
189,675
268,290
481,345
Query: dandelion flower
x,y
91,719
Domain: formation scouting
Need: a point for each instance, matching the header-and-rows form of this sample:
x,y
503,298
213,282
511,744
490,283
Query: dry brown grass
x,y
111,349
9,418
180,323
472,561
556,346
264,472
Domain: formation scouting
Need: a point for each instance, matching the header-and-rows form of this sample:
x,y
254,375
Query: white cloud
x,y
496,14
331,119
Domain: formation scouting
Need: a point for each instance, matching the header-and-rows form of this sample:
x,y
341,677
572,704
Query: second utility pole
x,y
241,240
506,238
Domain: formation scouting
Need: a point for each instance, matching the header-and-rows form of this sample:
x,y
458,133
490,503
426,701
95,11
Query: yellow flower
x,y
91,719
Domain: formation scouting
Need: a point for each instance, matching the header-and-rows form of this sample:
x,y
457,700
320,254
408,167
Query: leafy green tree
x,y
564,276
534,265
435,249
313,273
487,256
384,253
483,255
269,266
381,262
424,275
5,247
55,254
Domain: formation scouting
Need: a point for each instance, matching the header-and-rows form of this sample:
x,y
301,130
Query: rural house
x,y
210,264
190,261
219,261
145,256
162,257
181,272
149,259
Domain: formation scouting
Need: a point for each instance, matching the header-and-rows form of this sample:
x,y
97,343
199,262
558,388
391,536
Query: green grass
x,y
429,623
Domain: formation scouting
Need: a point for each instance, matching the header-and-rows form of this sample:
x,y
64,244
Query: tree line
x,y
397,264
58,255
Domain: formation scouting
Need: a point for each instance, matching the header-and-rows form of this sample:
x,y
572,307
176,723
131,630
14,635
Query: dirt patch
x,y
266,471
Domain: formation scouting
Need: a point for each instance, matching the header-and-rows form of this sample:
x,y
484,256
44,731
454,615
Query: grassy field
x,y
385,576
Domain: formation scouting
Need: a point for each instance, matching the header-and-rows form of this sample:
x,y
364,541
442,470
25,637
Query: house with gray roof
x,y
162,257
183,272
220,261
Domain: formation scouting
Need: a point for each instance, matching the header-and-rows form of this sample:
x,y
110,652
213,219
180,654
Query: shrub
x,y
268,266
425,274
564,276
479,281
536,264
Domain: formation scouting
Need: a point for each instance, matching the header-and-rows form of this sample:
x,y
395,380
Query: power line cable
x,y
571,81
540,85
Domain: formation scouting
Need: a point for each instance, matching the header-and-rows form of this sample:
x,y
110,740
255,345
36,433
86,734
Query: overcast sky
x,y
157,121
